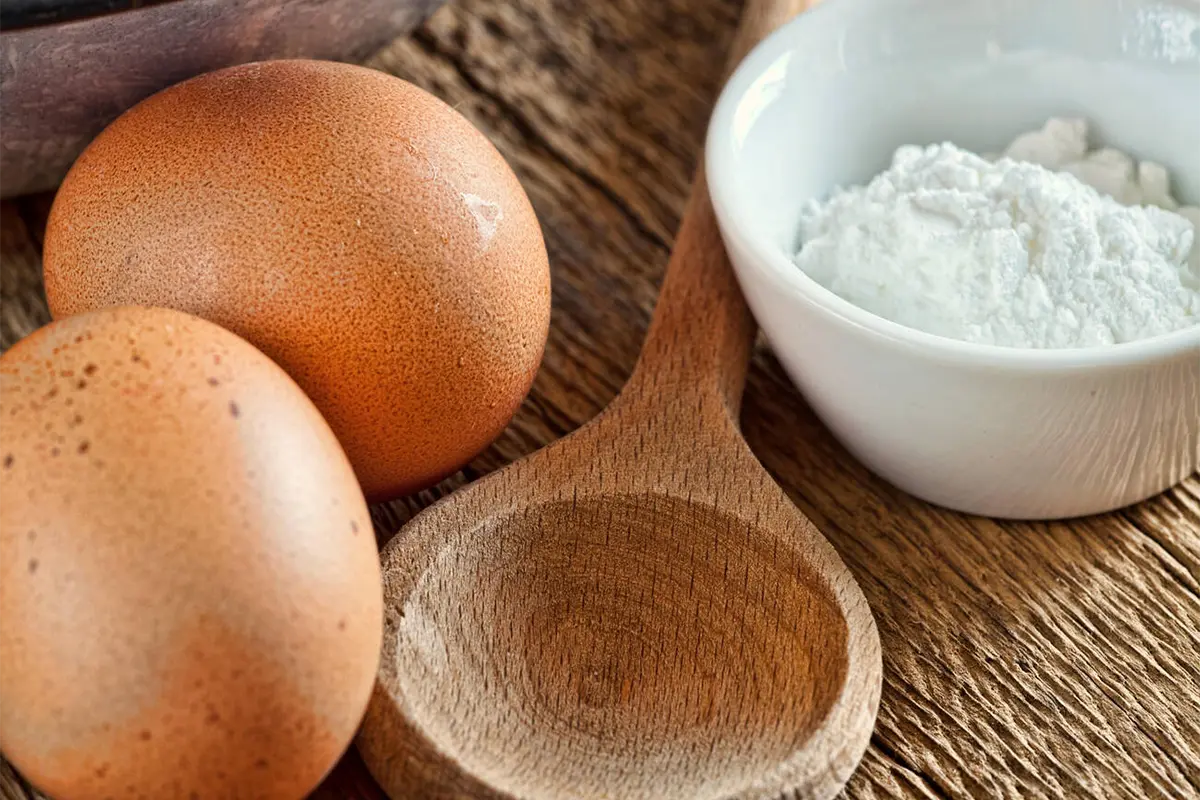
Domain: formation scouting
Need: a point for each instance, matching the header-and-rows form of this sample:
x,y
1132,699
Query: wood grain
x,y
1021,660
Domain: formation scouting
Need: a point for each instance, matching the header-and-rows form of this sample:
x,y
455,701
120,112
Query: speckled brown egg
x,y
190,601
353,227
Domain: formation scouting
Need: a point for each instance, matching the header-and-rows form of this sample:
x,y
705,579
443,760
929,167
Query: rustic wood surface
x,y
1021,660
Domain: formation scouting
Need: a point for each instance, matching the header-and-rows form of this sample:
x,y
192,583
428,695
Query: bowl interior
x,y
826,100
635,647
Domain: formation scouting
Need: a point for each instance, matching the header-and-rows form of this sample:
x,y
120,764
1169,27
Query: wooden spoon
x,y
638,610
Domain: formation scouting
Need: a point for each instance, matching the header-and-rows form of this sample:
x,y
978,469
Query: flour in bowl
x,y
1046,246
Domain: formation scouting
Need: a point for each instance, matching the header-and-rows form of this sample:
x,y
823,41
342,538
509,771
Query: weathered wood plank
x,y
1021,660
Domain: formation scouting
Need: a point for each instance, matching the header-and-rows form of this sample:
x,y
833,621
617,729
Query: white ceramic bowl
x,y
990,430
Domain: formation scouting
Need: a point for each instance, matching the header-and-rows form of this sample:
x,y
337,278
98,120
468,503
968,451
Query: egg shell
x,y
190,600
352,226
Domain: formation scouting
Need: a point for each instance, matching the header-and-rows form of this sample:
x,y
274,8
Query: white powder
x,y
1009,251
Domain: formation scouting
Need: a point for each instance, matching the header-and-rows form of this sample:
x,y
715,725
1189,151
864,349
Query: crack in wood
x,y
924,779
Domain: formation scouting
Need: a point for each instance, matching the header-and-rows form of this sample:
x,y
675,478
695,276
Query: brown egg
x,y
353,227
190,601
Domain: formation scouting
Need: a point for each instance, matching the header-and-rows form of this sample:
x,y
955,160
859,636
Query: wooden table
x,y
1021,660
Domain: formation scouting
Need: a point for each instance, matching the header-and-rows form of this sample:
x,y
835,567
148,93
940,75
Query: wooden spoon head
x,y
628,645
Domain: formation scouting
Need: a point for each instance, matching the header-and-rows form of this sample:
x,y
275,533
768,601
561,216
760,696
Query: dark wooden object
x,y
27,13
61,83
1021,660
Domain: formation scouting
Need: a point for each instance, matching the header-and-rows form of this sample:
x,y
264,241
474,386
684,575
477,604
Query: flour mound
x,y
1012,252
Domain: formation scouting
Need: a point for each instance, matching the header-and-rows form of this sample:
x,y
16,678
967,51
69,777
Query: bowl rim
x,y
773,264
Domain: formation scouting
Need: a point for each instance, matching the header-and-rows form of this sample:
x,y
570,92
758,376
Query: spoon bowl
x,y
640,641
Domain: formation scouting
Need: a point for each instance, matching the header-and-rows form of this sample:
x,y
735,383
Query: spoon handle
x,y
702,332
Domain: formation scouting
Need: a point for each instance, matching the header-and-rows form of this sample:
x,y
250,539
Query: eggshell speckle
x,y
355,228
190,600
